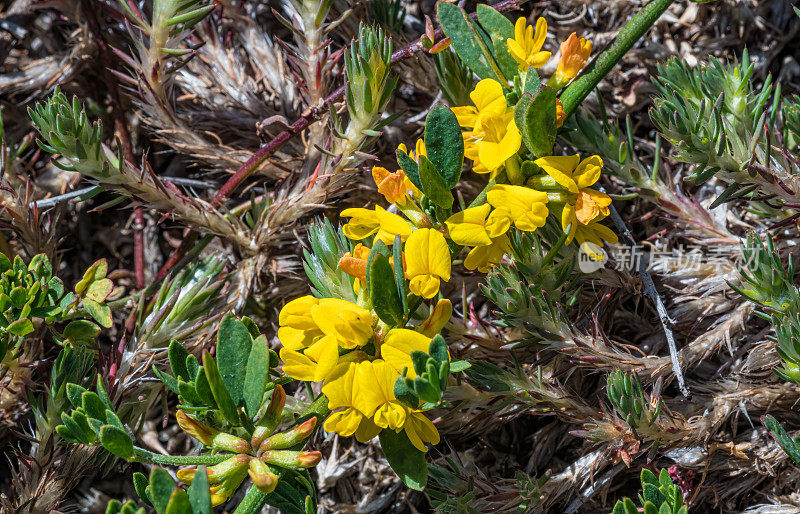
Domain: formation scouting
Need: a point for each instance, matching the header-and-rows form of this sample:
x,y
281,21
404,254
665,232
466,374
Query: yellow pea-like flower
x,y
375,398
523,206
398,345
348,323
384,224
340,388
427,262
526,45
492,136
473,227
420,430
484,258
576,176
297,328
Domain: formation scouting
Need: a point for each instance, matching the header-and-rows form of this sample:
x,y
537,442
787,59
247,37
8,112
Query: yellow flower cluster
x,y
345,346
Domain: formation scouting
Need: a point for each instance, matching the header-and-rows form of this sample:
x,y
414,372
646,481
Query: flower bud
x,y
438,318
211,437
292,459
289,438
265,480
271,418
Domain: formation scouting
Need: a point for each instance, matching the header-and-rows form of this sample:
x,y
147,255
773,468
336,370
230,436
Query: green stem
x,y
252,502
627,37
142,455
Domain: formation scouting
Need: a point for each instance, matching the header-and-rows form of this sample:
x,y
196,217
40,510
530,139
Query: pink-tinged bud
x,y
309,459
211,437
272,417
230,443
258,436
277,403
290,437
195,428
291,459
265,480
186,475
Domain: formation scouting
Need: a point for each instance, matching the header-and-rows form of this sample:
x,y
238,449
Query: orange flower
x,y
355,264
393,186
560,114
574,54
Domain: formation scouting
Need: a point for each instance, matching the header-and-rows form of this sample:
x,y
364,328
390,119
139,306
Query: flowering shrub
x,y
444,294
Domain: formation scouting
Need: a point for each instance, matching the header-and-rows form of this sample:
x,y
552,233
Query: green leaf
x,y
499,29
444,145
383,292
535,116
99,290
467,41
117,441
783,438
160,489
218,390
399,272
177,360
140,486
233,350
96,271
179,503
81,330
532,81
409,167
93,405
19,296
433,184
21,327
255,379
458,366
404,393
251,326
101,313
404,458
199,495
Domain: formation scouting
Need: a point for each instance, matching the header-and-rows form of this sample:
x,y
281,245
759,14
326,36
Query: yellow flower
x,y
341,393
297,328
398,345
420,430
526,46
593,232
427,261
349,324
471,227
333,323
575,52
576,176
494,136
522,205
313,364
484,258
386,225
375,396
393,186
419,149
437,320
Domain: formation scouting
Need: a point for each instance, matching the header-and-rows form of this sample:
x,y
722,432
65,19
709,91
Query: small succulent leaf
x,y
467,41
117,441
140,485
81,330
177,355
160,489
101,313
